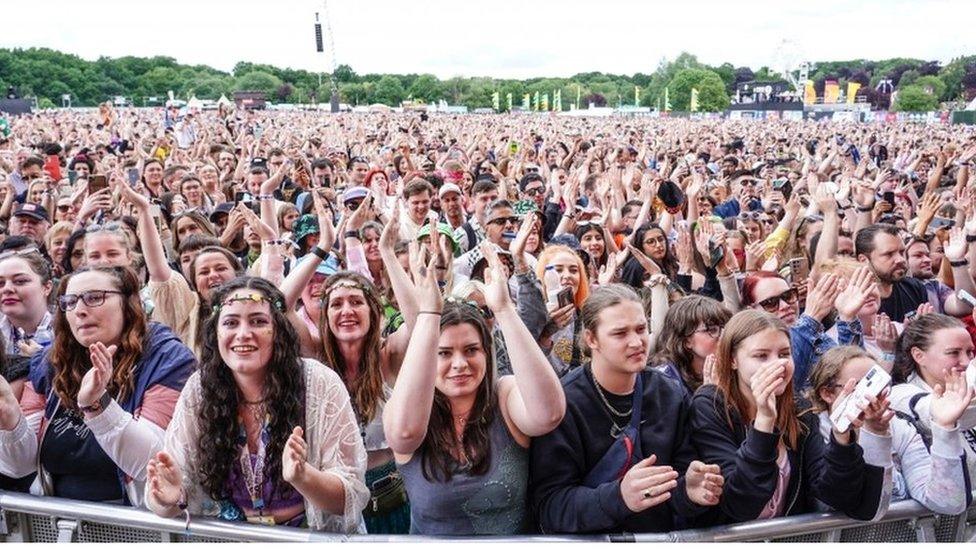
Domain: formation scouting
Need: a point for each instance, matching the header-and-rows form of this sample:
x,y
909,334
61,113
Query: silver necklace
x,y
606,402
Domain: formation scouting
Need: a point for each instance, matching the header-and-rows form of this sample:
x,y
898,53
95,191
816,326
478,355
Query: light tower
x,y
330,52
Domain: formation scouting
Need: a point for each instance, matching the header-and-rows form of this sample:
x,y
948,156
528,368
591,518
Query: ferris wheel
x,y
790,62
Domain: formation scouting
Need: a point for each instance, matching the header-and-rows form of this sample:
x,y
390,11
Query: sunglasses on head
x,y
771,304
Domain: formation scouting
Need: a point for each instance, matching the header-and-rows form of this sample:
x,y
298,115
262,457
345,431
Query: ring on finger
x,y
647,494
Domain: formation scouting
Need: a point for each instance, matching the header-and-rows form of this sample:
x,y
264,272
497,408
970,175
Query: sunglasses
x,y
534,191
504,220
92,298
771,304
750,216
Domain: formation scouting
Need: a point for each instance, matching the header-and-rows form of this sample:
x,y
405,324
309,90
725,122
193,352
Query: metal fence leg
x,y
925,530
67,531
832,536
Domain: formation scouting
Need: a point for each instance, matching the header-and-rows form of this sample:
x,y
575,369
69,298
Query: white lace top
x,y
332,433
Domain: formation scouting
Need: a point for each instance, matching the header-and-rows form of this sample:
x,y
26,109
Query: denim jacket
x,y
809,341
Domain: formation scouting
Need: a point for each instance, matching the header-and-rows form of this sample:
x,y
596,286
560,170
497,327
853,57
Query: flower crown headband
x,y
253,297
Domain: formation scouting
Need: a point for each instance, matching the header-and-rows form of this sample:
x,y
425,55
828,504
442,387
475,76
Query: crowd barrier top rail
x,y
72,520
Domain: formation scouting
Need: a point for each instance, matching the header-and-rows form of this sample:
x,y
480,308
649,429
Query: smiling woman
x,y
99,398
261,434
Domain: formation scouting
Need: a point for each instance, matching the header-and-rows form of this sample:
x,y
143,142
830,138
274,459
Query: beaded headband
x,y
252,297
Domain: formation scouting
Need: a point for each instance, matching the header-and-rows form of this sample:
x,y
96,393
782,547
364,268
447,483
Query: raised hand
x,y
294,457
703,483
821,298
646,485
391,233
608,272
164,480
9,407
650,267
950,400
709,374
497,296
957,247
885,333
858,289
96,379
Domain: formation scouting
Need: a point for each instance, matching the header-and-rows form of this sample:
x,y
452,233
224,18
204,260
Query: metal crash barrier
x,y
26,518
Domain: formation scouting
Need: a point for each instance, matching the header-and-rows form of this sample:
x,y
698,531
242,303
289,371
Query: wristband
x,y
351,234
971,238
265,197
320,253
438,313
865,210
887,357
960,263
97,406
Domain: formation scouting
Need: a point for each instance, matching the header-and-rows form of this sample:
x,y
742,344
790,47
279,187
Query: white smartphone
x,y
966,296
870,385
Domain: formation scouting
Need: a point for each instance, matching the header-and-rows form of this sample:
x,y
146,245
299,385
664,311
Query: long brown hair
x,y
69,359
441,443
743,325
366,390
827,370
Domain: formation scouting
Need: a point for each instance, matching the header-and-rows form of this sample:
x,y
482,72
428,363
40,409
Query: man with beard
x,y
881,247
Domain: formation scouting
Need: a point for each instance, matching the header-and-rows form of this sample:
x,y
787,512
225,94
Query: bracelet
x,y
865,210
275,242
351,234
320,253
265,197
971,238
960,263
97,406
438,313
887,357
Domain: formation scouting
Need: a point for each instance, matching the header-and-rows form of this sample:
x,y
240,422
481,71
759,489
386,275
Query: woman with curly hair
x,y
260,433
99,399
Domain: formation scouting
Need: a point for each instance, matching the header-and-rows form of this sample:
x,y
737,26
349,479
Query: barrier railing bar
x,y
67,509
66,516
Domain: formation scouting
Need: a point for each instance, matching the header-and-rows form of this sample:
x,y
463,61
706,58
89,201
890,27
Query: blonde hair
x,y
546,256
61,227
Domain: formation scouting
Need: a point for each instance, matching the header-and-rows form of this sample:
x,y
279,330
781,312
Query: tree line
x,y
48,75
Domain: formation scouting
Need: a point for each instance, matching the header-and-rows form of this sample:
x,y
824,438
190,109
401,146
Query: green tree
x,y
915,99
712,96
158,81
931,84
427,88
389,91
208,87
260,81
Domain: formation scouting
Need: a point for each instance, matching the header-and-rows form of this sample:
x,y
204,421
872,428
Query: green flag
x,y
693,106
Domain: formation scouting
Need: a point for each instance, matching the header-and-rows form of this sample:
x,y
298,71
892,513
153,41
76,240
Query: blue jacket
x,y
809,342
165,360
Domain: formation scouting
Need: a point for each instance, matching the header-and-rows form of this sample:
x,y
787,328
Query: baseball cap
x,y
32,210
222,208
448,188
354,193
445,230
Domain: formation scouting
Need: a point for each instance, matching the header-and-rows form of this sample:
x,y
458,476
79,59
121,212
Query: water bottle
x,y
553,287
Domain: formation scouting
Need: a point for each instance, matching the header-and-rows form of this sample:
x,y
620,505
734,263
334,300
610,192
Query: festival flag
x,y
636,96
693,105
809,94
852,88
494,101
545,101
536,101
831,91
557,100
578,96
667,102
526,102
509,98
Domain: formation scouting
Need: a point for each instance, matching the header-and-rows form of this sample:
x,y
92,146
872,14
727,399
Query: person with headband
x,y
260,434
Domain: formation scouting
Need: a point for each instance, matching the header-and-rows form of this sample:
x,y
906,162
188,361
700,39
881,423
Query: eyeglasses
x,y
504,220
750,216
713,331
770,304
92,298
107,227
534,191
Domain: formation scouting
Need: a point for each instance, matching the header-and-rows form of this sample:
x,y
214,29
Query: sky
x,y
498,38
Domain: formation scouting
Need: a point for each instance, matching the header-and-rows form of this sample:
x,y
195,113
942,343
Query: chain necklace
x,y
606,402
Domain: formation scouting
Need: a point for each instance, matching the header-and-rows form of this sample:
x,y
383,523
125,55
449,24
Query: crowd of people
x,y
637,324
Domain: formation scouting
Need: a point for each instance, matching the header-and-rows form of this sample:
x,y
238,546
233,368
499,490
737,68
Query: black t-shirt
x,y
906,296
79,466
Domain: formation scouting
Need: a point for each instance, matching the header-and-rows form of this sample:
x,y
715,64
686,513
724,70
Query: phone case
x,y
870,385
